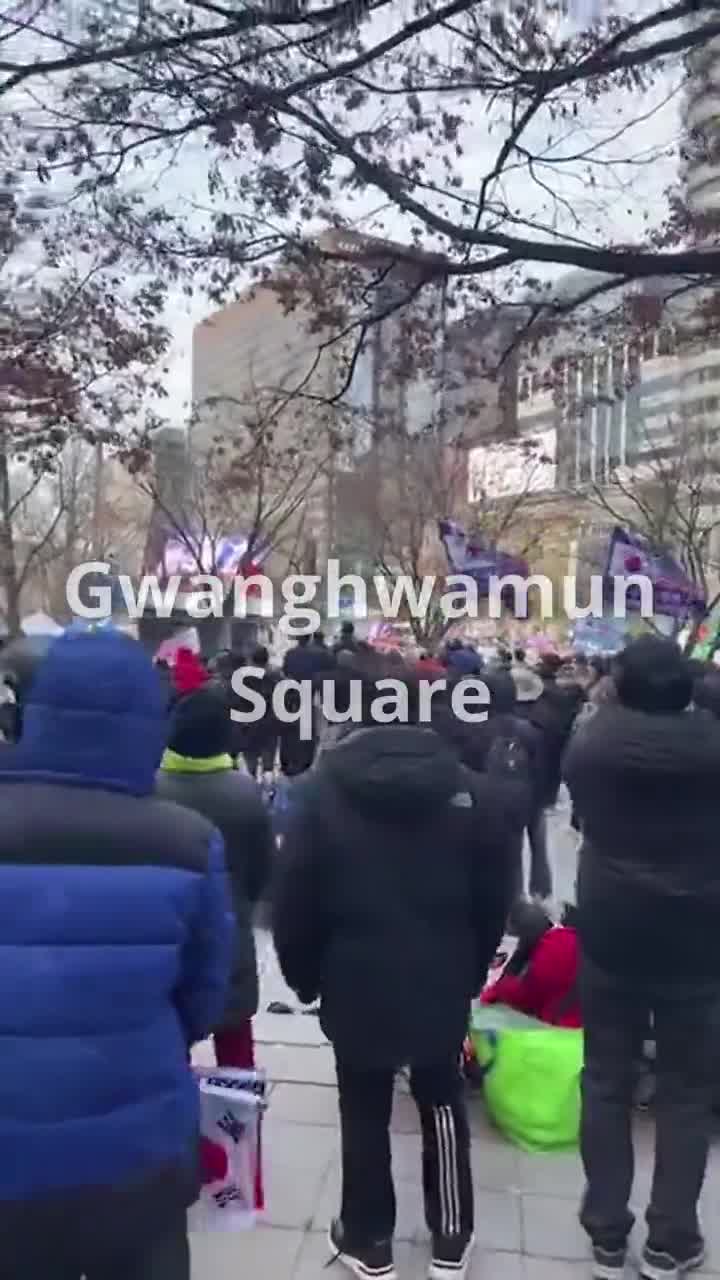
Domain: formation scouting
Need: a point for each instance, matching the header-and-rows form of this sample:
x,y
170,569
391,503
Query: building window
x,y
666,342
633,405
603,413
649,346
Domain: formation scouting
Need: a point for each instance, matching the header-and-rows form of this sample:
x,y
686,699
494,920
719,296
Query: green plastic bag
x,y
532,1084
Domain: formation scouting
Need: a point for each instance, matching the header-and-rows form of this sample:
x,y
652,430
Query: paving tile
x,y
405,1117
551,1269
498,1224
276,1028
407,1157
296,1162
264,1251
551,1228
559,1174
298,1064
495,1164
303,1104
411,1261
489,1265
410,1212
481,1125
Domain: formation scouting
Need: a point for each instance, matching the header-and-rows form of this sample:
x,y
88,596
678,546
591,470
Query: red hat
x,y
189,673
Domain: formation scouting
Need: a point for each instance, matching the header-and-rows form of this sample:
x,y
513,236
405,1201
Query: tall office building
x,y
255,352
702,127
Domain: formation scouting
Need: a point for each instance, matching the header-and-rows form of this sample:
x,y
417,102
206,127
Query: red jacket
x,y
543,990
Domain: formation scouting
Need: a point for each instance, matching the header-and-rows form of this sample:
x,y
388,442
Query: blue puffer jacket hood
x,y
95,715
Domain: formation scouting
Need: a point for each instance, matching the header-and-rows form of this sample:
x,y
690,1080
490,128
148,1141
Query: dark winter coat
x,y
646,792
255,736
488,747
307,662
116,930
232,802
393,890
552,716
463,662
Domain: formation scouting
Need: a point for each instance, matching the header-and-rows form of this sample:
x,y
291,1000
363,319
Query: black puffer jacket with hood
x,y
646,790
393,890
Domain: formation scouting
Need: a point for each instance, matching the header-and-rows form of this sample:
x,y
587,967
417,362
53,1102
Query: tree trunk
x,y
8,560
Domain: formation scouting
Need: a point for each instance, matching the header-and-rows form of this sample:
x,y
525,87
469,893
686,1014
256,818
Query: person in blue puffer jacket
x,y
115,941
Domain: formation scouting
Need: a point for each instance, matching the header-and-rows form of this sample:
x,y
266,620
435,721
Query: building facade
x,y
368,388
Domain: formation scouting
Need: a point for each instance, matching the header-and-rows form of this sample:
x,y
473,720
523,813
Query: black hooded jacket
x,y
488,748
392,895
552,717
646,790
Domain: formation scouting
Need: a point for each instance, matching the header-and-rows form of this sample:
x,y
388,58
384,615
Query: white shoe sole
x,y
358,1268
601,1272
649,1272
452,1270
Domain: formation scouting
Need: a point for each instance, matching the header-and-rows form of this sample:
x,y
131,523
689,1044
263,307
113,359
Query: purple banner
x,y
480,563
674,593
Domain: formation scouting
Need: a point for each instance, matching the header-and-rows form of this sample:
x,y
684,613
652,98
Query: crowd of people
x,y
133,853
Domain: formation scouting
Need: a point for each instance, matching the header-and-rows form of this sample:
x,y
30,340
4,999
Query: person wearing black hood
x,y
536,711
508,750
643,775
346,639
305,661
257,741
391,899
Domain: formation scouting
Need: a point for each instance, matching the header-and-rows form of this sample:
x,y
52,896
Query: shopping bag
x,y
531,1081
232,1103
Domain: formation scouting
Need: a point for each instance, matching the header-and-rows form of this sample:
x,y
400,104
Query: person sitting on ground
x,y
541,977
395,940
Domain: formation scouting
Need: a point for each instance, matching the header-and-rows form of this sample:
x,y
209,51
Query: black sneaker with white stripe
x,y
658,1265
608,1264
371,1262
450,1257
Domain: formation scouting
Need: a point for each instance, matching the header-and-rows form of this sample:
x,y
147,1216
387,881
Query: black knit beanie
x,y
200,724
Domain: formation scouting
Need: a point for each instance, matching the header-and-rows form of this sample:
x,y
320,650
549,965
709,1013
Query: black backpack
x,y
508,759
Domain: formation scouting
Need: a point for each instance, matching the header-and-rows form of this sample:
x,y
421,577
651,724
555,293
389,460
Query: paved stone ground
x,y
526,1206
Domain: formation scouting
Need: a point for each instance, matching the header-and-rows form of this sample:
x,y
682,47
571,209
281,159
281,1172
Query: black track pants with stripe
x,y
368,1196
